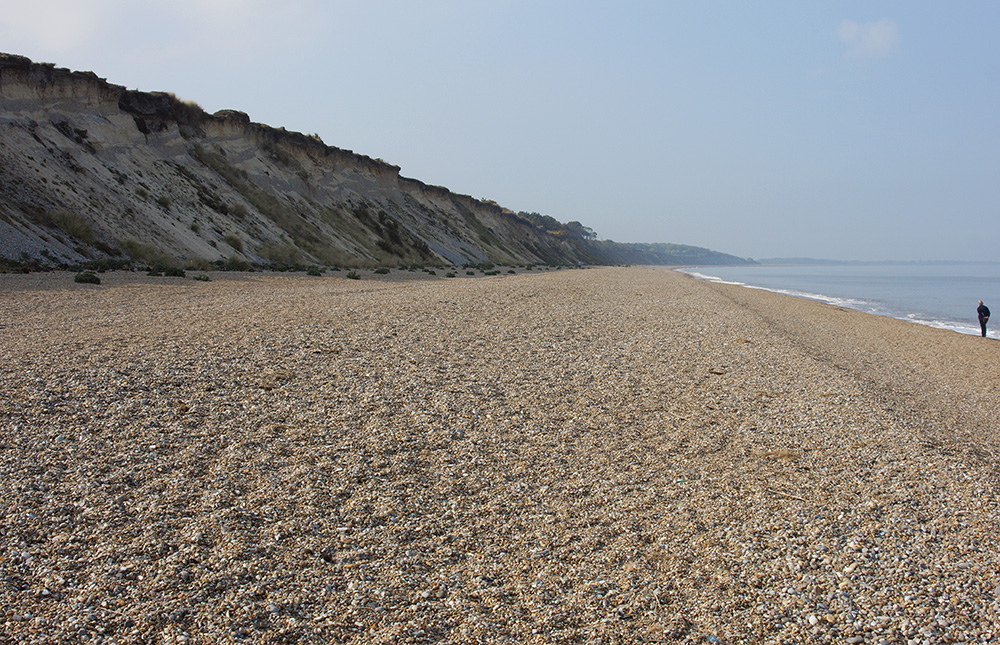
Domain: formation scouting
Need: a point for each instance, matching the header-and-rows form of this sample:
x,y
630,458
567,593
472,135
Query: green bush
x,y
280,253
105,265
234,263
314,271
449,275
353,275
145,253
87,277
106,248
234,241
160,269
202,278
470,273
200,264
382,270
75,226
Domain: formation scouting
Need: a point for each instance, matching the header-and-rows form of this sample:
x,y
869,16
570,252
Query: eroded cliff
x,y
89,170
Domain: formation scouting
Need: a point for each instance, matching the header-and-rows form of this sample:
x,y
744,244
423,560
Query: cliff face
x,y
90,170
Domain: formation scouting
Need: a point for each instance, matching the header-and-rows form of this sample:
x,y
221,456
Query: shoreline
x,y
957,325
615,454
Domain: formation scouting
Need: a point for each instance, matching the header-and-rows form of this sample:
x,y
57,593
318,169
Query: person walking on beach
x,y
984,316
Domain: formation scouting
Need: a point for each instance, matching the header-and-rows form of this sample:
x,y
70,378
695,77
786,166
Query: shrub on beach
x,y
234,263
353,275
160,269
87,277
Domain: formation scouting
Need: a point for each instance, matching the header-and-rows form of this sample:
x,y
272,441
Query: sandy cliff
x,y
89,169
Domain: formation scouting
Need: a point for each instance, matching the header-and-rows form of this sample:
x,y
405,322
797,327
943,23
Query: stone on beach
x,y
608,455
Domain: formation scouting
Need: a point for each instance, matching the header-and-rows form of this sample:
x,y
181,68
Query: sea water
x,y
934,294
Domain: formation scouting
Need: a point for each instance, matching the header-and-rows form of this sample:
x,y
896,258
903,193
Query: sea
x,y
942,295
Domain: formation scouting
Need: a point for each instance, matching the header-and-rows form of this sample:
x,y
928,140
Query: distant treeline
x,y
594,251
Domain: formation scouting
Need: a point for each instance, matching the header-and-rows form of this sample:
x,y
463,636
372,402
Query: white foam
x,y
850,303
952,325
857,304
712,278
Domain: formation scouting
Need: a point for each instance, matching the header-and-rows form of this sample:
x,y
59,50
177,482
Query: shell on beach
x,y
612,455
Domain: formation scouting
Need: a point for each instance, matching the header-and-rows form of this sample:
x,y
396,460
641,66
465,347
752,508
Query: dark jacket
x,y
983,311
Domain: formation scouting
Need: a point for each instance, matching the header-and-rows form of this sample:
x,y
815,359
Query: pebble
x,y
574,456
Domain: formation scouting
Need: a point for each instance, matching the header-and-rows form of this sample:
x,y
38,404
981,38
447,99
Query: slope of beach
x,y
609,455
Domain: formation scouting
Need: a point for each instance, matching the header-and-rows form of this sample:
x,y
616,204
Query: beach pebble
x,y
558,456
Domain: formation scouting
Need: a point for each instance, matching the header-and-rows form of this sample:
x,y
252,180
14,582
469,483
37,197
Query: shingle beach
x,y
607,455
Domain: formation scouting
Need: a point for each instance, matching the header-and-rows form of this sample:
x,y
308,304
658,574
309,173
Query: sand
x,y
608,455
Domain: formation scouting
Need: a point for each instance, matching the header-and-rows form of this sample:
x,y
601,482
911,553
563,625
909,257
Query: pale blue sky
x,y
849,130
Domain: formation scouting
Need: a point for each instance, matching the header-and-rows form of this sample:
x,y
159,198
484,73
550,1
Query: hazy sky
x,y
849,130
